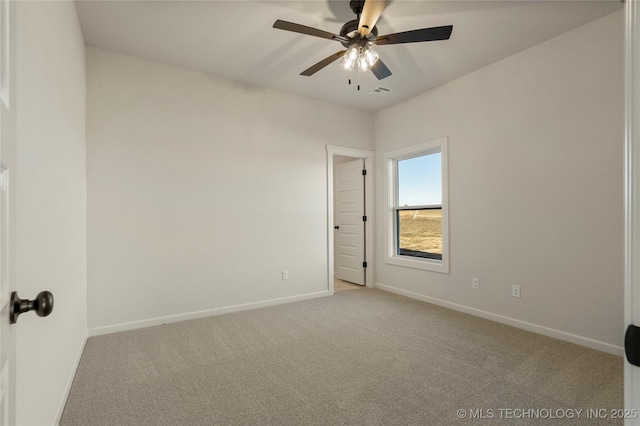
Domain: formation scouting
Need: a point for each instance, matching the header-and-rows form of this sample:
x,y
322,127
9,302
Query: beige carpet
x,y
363,357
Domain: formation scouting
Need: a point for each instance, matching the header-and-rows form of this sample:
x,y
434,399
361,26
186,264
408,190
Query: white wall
x,y
201,190
51,204
535,181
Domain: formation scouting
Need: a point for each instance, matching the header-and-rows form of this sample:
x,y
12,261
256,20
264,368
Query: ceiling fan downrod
x,y
357,6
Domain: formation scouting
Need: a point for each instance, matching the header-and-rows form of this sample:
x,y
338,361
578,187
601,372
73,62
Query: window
x,y
418,210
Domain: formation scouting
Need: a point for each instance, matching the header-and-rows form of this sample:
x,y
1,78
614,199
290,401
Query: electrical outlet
x,y
515,291
475,283
285,274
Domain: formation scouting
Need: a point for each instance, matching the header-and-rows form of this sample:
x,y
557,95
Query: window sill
x,y
424,264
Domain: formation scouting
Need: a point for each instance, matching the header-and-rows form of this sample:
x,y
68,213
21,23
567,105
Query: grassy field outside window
x,y
420,233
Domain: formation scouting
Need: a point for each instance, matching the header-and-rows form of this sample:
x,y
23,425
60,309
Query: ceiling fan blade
x,y
425,34
380,70
370,15
323,63
303,29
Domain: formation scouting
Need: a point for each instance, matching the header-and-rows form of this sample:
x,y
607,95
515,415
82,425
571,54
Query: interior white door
x,y
349,222
7,154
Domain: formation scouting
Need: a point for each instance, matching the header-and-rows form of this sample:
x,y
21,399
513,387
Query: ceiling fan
x,y
359,35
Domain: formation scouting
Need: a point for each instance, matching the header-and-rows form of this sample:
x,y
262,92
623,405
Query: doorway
x,y
350,216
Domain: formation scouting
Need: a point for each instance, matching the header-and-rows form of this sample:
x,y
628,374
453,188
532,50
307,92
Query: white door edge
x,y
632,199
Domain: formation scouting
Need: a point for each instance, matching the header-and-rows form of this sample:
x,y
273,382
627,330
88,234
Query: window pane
x,y
420,233
420,181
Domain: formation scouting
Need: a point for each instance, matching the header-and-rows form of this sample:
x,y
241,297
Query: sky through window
x,y
420,180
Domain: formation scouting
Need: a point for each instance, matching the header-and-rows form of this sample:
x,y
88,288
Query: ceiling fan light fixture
x,y
363,64
350,57
370,56
365,57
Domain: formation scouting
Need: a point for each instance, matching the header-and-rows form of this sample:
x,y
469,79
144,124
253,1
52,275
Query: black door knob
x,y
336,227
42,304
632,344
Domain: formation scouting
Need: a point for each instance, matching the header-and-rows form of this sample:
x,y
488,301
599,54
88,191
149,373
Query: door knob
x,y
632,344
336,227
42,304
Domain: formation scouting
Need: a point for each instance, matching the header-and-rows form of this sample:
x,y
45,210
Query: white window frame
x,y
391,159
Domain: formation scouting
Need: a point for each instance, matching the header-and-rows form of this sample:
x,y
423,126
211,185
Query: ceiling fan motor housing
x,y
350,31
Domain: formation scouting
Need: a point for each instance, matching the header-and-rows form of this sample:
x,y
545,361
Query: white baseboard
x,y
545,331
67,389
98,331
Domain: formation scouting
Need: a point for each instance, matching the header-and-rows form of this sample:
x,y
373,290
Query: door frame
x,y
632,196
369,225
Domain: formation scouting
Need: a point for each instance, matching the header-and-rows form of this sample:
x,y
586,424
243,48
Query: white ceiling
x,y
235,39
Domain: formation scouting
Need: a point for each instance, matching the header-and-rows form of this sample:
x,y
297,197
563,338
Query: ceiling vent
x,y
379,91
